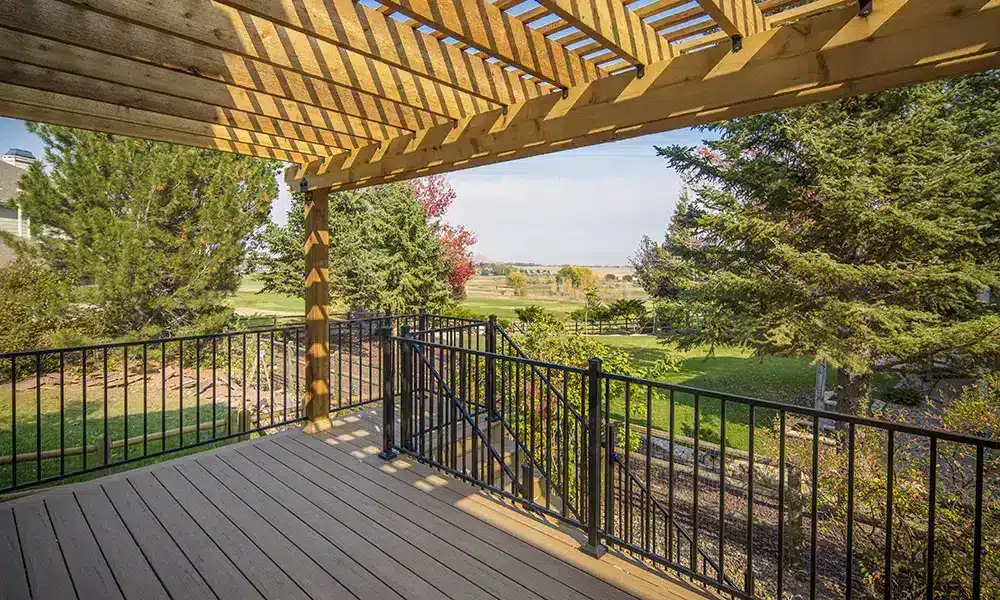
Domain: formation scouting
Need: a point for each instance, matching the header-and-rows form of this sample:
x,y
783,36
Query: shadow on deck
x,y
298,516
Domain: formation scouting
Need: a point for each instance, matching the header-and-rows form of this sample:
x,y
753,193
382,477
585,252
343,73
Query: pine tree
x,y
864,231
384,252
152,235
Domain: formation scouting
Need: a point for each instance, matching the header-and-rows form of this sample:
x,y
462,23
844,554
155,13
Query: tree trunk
x,y
851,387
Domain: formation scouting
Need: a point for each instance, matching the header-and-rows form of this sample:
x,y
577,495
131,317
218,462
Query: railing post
x,y
406,393
317,249
388,397
593,546
491,349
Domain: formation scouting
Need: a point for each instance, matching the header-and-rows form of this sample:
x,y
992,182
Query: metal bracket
x,y
504,109
565,93
640,71
303,186
865,7
737,43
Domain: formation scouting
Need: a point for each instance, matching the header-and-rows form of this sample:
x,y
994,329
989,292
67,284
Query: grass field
x,y
729,370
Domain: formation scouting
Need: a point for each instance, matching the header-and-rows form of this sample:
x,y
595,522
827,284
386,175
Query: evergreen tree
x,y
385,254
280,263
864,231
150,234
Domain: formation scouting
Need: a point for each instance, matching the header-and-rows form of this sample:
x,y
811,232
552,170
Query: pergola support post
x,y
317,249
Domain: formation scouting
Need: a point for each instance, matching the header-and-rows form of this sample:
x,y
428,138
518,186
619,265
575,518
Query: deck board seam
x,y
365,419
489,543
20,546
169,535
62,553
436,535
207,535
263,520
222,457
494,528
97,543
389,509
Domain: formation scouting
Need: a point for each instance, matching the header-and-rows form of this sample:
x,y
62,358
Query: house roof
x,y
9,176
359,93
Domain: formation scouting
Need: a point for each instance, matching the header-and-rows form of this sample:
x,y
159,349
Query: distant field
x,y
484,296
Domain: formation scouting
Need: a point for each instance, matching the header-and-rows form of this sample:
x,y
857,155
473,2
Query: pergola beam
x,y
217,26
78,40
738,18
31,96
28,112
902,41
614,27
484,26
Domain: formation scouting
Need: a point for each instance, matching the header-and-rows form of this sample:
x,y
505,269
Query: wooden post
x,y
317,249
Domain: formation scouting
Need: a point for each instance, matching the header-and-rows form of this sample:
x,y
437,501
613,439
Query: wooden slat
x,y
484,26
43,560
28,112
104,110
180,94
271,581
736,17
344,527
135,577
615,27
654,8
84,559
222,26
173,569
427,533
778,68
352,26
14,584
127,53
211,562
806,10
316,565
112,35
486,517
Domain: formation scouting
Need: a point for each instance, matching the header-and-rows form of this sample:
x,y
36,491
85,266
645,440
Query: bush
x,y
35,307
902,395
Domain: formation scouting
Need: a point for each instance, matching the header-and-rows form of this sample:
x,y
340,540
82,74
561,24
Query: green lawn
x,y
249,301
729,370
504,306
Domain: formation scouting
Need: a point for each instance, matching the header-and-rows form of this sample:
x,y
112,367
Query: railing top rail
x,y
813,412
451,328
147,342
485,354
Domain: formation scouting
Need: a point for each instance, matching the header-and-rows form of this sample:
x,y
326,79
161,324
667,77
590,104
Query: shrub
x,y
902,395
34,305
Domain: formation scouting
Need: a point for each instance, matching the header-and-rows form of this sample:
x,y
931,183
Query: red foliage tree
x,y
435,194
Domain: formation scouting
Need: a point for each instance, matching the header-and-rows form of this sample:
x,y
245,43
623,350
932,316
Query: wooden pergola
x,y
362,93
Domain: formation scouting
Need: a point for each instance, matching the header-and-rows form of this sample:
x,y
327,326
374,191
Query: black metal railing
x,y
754,498
71,411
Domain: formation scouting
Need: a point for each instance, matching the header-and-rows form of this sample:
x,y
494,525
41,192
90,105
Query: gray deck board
x,y
135,577
43,560
216,568
296,516
15,582
84,560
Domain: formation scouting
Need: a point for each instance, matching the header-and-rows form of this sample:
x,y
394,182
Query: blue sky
x,y
585,206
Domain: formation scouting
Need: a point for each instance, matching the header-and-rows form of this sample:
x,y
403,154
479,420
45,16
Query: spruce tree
x,y
385,254
153,236
864,231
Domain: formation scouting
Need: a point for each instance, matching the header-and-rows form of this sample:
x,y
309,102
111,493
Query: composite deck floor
x,y
297,516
